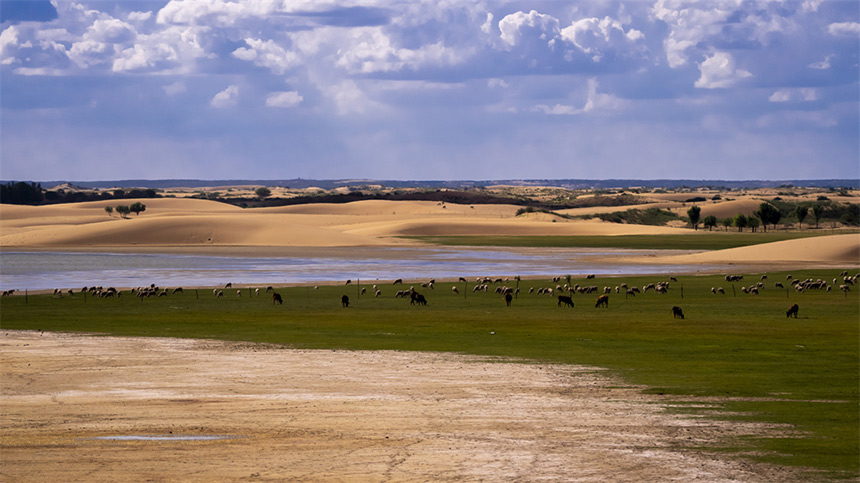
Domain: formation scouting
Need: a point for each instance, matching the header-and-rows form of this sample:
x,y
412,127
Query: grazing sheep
x,y
720,290
363,291
454,289
344,301
277,299
378,293
508,299
219,294
792,311
677,313
565,300
229,285
257,292
177,290
713,290
399,280
348,282
462,279
269,288
778,285
630,292
603,301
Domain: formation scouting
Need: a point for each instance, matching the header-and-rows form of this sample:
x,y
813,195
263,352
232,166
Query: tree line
x,y
30,193
769,214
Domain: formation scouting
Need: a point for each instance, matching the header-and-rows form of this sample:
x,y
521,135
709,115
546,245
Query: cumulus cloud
x,y
719,71
267,54
229,97
596,36
514,27
283,99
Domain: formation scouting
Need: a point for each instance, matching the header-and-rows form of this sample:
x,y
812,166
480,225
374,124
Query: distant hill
x,y
299,183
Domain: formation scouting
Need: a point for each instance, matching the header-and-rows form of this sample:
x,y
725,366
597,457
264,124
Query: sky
x,y
429,90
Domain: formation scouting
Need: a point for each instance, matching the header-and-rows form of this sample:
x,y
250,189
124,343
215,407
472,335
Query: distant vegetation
x,y
24,193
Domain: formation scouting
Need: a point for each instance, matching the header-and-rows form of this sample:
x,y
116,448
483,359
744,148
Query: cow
x,y
276,299
677,313
344,301
792,311
603,300
566,300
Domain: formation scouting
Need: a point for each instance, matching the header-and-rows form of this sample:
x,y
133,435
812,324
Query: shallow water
x,y
49,270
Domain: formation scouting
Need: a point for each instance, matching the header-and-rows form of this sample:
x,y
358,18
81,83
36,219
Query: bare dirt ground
x,y
80,408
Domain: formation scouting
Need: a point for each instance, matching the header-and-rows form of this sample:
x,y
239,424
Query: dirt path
x,y
276,414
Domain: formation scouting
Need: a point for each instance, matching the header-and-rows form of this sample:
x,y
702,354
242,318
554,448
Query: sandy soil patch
x,y
275,414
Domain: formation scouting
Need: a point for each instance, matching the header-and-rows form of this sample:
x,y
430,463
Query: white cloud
x,y
372,50
229,97
597,36
176,88
283,99
805,94
689,24
139,17
8,45
719,71
595,101
542,26
844,29
267,54
170,50
822,64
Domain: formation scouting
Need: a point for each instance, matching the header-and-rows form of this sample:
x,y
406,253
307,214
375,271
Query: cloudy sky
x,y
435,89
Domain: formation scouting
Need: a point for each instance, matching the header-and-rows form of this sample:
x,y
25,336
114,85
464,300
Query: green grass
x,y
801,372
701,240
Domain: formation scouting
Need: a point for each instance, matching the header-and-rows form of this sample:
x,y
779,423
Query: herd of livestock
x,y
562,289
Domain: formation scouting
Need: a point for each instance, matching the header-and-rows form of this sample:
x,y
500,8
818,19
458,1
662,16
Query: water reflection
x,y
44,271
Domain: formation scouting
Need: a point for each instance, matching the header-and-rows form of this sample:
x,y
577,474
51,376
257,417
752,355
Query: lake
x,y
49,270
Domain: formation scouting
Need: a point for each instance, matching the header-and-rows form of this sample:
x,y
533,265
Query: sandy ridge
x,y
193,223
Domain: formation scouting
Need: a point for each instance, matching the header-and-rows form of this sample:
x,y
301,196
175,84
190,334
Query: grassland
x,y
736,351
702,240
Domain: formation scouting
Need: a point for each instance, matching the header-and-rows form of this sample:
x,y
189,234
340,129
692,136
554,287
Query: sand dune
x,y
201,224
831,249
191,222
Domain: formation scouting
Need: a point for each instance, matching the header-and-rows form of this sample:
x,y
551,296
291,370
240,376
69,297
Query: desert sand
x,y
84,408
204,226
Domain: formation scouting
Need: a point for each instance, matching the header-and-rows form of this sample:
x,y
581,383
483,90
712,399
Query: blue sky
x,y
278,89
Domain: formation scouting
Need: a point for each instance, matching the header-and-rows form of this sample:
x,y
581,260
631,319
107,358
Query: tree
x,y
694,213
753,223
263,192
137,207
21,193
768,213
726,222
800,212
817,211
123,210
740,221
710,221
109,210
